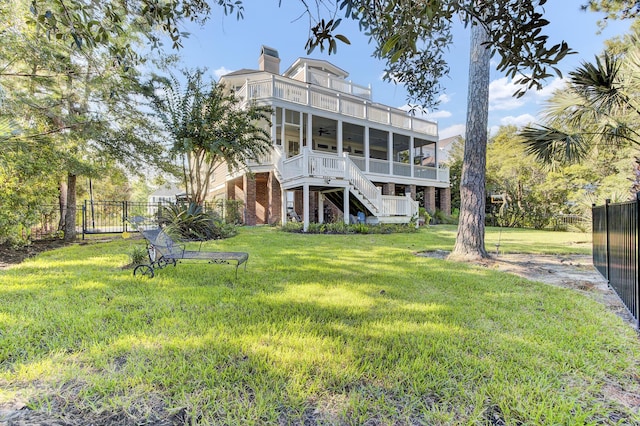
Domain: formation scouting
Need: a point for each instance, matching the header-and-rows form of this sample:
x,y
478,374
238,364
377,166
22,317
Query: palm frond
x,y
599,84
552,146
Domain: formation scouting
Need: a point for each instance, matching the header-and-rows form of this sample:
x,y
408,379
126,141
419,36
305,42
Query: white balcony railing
x,y
399,206
401,169
380,167
332,82
307,94
332,165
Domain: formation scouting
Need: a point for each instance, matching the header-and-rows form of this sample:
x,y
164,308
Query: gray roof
x,y
241,72
167,191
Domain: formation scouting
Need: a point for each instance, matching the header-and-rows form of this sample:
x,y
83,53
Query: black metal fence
x,y
110,217
616,240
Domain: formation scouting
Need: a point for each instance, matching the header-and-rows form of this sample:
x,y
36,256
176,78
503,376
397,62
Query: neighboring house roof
x,y
242,71
444,147
167,191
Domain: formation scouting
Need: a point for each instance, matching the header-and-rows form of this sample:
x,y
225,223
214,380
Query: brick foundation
x,y
274,213
445,200
249,184
430,199
389,189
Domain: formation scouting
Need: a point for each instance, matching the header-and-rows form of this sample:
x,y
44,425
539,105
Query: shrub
x,y
234,210
358,228
443,218
292,227
316,228
138,255
191,222
337,228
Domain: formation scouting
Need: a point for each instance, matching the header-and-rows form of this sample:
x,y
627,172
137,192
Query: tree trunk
x,y
62,203
470,238
70,216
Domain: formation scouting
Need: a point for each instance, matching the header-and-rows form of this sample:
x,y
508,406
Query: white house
x,y
335,151
168,194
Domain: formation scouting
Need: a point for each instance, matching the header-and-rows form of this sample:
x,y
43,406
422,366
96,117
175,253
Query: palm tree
x,y
597,108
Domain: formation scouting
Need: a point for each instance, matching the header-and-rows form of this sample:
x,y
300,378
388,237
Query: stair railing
x,y
369,191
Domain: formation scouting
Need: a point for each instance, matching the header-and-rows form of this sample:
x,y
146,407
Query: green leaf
x,y
343,39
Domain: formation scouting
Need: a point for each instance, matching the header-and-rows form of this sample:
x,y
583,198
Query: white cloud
x,y
455,130
544,93
493,130
220,72
444,98
510,120
501,94
519,121
438,114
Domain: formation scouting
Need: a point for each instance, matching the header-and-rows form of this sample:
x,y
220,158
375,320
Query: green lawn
x,y
320,329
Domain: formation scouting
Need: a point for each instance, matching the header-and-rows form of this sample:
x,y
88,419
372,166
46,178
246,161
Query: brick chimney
x,y
269,60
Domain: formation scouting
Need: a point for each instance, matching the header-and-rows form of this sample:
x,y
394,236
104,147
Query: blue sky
x,y
225,44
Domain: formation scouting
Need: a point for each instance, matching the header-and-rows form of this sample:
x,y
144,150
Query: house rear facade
x,y
337,154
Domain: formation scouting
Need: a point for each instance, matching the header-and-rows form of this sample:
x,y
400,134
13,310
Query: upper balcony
x,y
330,81
325,74
335,101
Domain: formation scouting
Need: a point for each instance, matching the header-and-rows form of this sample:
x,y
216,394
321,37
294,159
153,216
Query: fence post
x,y
125,214
606,227
637,261
84,218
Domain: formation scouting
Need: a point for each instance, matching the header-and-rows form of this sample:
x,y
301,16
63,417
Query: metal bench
x,y
163,251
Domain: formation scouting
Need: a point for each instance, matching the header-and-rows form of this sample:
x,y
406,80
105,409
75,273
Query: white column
x,y
282,134
283,206
305,202
301,129
345,205
366,148
411,153
305,161
274,123
320,208
390,152
339,136
309,130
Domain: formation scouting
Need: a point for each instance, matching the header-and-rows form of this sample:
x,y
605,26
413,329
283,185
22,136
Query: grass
x,y
320,329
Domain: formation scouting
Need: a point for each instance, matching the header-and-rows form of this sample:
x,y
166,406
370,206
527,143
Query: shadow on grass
x,y
335,333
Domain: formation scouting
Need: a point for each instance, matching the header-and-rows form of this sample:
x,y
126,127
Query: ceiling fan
x,y
323,131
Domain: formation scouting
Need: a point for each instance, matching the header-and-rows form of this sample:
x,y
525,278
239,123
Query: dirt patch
x,y
14,255
569,271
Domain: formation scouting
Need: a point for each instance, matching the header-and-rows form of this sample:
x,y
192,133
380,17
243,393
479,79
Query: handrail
x,y
277,157
355,176
399,206
325,99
